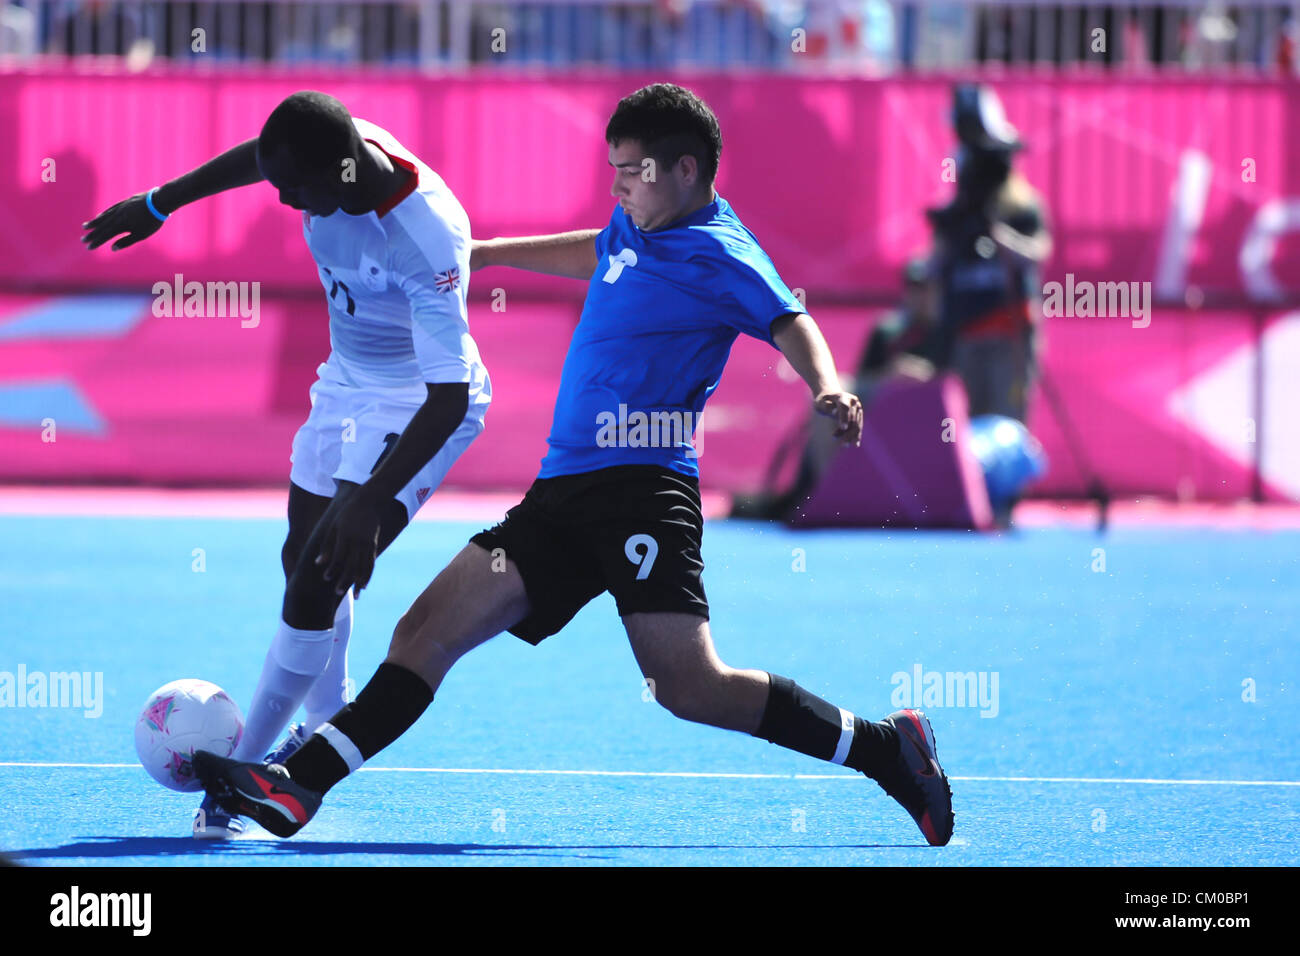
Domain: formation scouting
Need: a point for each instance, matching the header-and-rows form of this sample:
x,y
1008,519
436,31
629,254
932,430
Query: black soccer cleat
x,y
916,780
263,792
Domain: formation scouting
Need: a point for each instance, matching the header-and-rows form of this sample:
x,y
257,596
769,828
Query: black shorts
x,y
632,530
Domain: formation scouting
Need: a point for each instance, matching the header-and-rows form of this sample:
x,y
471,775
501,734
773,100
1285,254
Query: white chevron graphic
x,y
1219,403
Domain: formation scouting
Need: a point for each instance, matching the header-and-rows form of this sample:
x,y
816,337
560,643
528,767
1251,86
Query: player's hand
x,y
130,216
846,410
350,542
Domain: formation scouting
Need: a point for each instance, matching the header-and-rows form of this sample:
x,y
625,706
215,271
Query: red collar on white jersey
x,y
411,185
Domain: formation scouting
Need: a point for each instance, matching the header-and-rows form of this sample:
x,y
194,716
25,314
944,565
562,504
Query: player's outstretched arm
x,y
802,343
233,168
568,254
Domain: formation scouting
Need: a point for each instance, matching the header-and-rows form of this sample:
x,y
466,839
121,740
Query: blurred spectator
x,y
1046,33
17,31
1211,38
1282,52
860,32
904,342
870,36
1195,35
990,242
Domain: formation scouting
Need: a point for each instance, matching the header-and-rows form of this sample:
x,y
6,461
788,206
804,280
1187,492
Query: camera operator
x,y
990,242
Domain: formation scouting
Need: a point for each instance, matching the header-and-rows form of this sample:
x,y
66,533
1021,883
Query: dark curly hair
x,y
669,122
315,128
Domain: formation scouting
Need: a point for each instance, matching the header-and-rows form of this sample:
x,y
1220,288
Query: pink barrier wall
x,y
831,174
1186,407
1168,409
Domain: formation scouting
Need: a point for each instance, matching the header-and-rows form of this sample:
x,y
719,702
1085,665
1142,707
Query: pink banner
x,y
97,387
1181,182
1189,184
1187,407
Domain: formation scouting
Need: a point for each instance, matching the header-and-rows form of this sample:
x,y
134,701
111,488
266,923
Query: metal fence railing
x,y
865,36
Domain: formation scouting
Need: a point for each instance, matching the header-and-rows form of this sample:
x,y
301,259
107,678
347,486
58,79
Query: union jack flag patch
x,y
447,281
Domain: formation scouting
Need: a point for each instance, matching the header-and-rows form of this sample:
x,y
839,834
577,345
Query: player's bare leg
x,y
329,691
265,716
676,652
306,646
474,598
477,596
305,511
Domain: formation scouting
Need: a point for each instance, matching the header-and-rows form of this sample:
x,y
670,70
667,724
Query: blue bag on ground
x,y
1010,456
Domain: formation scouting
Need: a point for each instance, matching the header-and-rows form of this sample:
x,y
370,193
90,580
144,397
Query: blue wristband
x,y
148,201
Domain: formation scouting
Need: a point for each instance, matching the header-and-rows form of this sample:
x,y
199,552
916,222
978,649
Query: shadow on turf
x,y
187,846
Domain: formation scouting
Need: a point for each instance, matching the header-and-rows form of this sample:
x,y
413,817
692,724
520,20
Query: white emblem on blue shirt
x,y
625,257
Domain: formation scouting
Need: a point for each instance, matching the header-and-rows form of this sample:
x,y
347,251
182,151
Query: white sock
x,y
294,662
331,691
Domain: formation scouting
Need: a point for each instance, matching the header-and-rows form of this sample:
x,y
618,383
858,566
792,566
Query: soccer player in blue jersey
x,y
672,280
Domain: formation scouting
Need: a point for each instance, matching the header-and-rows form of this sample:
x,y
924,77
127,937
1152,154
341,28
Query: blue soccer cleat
x,y
916,780
213,823
262,792
297,737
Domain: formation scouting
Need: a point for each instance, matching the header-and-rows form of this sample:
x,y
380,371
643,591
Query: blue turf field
x,y
1112,686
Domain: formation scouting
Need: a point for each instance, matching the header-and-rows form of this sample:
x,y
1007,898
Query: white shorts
x,y
348,430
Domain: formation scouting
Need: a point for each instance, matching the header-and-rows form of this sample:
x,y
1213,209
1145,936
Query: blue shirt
x,y
662,310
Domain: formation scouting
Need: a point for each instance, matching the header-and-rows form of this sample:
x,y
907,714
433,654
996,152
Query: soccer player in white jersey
x,y
401,396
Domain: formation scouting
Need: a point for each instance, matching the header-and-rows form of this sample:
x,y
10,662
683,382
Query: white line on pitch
x,y
1132,781
1144,781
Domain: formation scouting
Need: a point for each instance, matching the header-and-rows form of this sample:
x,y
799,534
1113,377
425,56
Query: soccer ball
x,y
180,718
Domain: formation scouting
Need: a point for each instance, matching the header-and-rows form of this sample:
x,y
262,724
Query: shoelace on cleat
x,y
295,735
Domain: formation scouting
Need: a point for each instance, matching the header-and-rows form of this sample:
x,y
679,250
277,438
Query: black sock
x,y
383,711
804,722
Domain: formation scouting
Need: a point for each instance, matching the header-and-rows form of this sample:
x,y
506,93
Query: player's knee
x,y
686,699
415,647
408,632
309,600
418,631
687,706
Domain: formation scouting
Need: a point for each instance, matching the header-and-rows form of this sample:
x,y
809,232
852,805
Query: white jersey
x,y
397,280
